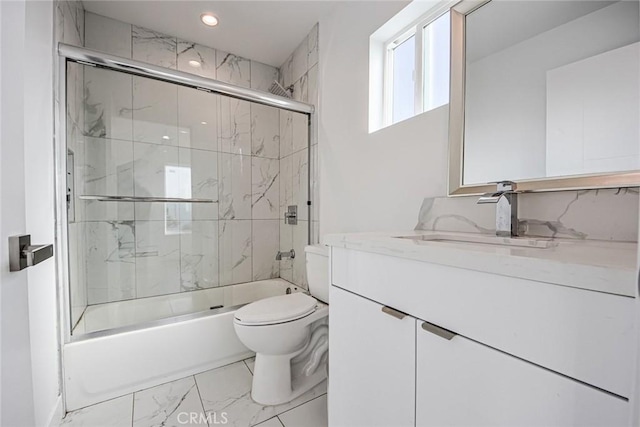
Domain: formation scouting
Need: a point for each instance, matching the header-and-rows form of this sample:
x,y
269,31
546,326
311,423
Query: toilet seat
x,y
280,309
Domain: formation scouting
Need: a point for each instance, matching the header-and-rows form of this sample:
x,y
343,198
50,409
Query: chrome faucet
x,y
288,254
506,200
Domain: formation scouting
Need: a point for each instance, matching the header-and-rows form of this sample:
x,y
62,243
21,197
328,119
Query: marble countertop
x,y
595,265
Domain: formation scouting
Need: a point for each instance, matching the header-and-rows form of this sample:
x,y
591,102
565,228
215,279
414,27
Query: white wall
x,y
593,107
30,360
15,374
39,204
370,181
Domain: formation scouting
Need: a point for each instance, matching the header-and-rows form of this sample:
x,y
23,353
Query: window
x,y
402,61
417,69
177,183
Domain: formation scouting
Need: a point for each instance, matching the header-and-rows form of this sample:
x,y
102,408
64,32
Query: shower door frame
x,y
68,53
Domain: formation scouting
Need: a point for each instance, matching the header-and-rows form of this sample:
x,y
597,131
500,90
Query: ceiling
x,y
502,24
264,30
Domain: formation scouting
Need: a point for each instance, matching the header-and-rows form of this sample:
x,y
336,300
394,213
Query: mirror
x,y
545,93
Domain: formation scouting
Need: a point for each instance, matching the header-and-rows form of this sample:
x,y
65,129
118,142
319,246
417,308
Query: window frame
x,y
389,48
416,28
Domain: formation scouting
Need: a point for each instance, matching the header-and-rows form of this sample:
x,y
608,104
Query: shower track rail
x,y
144,199
99,59
95,58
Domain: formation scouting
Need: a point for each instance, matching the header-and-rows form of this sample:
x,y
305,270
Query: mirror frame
x,y
456,185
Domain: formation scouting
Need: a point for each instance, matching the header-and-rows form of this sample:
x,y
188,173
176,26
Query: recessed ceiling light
x,y
209,19
194,64
165,137
203,123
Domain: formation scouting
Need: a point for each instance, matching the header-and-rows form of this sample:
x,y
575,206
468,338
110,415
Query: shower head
x,y
277,89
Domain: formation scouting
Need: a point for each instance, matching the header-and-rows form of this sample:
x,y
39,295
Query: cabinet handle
x,y
437,330
394,313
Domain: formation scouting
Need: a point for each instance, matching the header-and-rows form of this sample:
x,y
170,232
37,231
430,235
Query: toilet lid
x,y
278,309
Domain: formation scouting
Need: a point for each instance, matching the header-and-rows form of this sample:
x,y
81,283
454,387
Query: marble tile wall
x,y
69,28
298,158
149,138
609,214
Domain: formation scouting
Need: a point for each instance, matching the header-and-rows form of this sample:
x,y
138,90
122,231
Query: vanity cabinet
x,y
472,348
373,373
460,382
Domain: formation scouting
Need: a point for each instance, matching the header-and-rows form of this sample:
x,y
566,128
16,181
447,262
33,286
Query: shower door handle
x,y
23,254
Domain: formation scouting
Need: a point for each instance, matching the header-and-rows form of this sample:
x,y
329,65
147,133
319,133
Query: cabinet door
x,y
461,383
371,363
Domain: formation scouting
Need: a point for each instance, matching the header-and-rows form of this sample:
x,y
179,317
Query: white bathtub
x,y
103,365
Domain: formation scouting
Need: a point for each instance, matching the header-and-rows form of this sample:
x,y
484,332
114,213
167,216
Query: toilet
x,y
290,335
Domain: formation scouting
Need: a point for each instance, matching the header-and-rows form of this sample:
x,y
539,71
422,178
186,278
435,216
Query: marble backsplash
x,y
606,214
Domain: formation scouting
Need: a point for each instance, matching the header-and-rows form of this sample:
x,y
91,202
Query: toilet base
x,y
272,383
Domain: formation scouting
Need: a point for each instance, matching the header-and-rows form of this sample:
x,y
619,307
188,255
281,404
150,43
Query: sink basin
x,y
512,242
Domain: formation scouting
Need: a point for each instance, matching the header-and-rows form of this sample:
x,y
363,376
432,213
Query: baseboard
x,y
57,413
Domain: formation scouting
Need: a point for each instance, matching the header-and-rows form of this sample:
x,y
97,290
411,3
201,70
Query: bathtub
x,y
156,340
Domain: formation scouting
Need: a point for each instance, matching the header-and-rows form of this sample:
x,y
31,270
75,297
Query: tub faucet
x,y
506,200
288,254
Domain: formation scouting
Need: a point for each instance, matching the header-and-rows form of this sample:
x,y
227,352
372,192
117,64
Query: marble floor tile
x,y
310,414
115,412
220,396
228,389
170,404
271,422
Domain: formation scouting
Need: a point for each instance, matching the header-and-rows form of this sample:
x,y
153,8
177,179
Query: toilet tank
x,y
317,259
